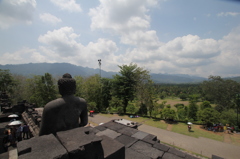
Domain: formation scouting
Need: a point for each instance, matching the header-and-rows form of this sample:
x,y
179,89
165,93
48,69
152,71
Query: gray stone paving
x,y
204,146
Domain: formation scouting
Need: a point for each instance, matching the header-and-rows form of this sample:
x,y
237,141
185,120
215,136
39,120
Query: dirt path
x,y
227,138
169,127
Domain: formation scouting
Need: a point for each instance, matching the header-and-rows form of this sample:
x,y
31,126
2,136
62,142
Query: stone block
x,y
151,139
100,128
190,157
112,148
140,135
127,131
131,154
81,143
42,147
116,126
161,147
110,133
126,140
216,157
177,152
147,149
170,156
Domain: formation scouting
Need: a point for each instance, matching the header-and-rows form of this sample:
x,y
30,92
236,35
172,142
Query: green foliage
x,y
182,113
143,109
205,104
221,92
41,89
131,78
209,115
131,108
179,105
92,106
7,82
162,105
229,117
168,113
192,110
183,96
90,89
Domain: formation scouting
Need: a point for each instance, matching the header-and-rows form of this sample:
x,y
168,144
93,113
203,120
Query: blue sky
x,y
196,37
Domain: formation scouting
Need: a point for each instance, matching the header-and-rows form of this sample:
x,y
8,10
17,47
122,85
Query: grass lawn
x,y
156,123
181,128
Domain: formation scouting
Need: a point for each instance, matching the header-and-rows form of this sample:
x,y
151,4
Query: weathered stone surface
x,y
131,154
161,147
126,140
101,128
114,126
112,148
216,157
140,135
151,139
127,131
170,156
176,152
110,133
147,149
43,147
190,157
81,143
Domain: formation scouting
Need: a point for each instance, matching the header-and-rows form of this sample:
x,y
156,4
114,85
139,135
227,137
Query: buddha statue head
x,y
67,85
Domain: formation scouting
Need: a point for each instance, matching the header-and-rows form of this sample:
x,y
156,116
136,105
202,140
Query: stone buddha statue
x,y
64,113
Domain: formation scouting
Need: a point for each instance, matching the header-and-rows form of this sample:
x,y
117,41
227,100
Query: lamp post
x,y
238,104
99,63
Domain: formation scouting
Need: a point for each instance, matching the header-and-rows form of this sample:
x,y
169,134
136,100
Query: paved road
x,y
201,145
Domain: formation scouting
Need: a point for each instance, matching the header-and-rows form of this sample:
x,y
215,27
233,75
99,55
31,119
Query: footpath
x,y
204,146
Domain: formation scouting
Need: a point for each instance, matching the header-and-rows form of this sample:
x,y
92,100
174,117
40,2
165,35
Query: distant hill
x,y
58,69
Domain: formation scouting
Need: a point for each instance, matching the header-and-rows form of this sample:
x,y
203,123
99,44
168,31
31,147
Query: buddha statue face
x,y
67,85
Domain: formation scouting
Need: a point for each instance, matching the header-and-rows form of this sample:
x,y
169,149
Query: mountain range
x,y
58,69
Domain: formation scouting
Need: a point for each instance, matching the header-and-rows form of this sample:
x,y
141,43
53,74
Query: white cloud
x,y
121,15
61,45
228,14
62,41
49,18
25,55
69,5
13,12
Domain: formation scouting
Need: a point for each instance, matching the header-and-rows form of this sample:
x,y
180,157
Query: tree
x,y
192,110
205,104
41,89
92,90
209,115
221,92
127,82
168,113
183,96
7,82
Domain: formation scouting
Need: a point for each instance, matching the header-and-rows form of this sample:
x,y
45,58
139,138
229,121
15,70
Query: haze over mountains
x,y
58,69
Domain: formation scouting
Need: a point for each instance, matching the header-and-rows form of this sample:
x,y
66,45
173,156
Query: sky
x,y
195,37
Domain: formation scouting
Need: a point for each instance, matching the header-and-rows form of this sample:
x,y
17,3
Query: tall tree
x,y
221,92
7,82
126,83
42,89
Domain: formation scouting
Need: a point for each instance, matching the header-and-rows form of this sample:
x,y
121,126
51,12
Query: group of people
x,y
15,134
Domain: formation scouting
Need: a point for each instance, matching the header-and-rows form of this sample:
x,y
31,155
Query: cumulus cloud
x,y
49,18
69,5
62,45
24,54
62,41
228,14
13,12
